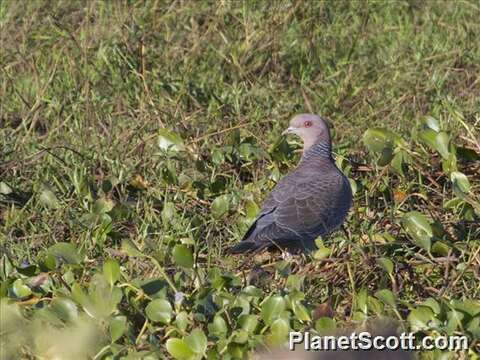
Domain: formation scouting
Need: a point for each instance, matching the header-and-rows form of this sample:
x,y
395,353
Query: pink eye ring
x,y
307,124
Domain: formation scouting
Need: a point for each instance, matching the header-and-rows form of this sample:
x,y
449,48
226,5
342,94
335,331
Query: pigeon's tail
x,y
246,247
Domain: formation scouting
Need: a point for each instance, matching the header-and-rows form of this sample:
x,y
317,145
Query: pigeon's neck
x,y
319,150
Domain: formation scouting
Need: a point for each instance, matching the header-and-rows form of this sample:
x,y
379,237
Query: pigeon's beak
x,y
290,130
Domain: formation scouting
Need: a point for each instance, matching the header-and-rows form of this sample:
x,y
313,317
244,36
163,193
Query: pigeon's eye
x,y
307,123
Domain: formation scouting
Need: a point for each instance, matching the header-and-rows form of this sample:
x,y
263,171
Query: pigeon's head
x,y
312,129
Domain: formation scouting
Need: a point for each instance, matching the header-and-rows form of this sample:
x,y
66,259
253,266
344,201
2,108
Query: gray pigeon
x,y
311,201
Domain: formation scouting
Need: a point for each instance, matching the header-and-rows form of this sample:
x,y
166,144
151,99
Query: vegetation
x,y
138,139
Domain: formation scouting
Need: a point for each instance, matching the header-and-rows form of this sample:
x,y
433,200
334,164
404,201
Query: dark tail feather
x,y
246,247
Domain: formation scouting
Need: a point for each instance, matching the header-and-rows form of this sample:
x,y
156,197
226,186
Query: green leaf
x,y
386,264
385,157
272,309
325,325
168,140
251,209
387,297
442,141
179,349
183,256
432,304
65,252
421,318
5,189
64,308
159,310
279,330
49,199
118,324
432,123
461,185
197,341
181,321
218,327
428,137
168,212
469,306
111,271
377,139
130,248
440,248
103,205
220,206
419,229
20,289
322,253
248,323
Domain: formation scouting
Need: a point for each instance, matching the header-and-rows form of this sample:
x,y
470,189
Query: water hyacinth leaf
x,y
49,199
218,326
377,139
5,189
159,310
103,205
325,325
386,264
179,349
421,318
248,323
181,321
168,140
65,252
197,341
387,297
64,308
183,256
272,309
130,248
461,185
118,324
432,123
417,226
442,141
220,206
428,137
20,289
279,330
111,271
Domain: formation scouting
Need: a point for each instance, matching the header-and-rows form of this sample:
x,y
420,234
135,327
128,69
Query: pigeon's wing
x,y
300,208
317,205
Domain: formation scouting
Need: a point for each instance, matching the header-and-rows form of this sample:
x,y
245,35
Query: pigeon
x,y
311,201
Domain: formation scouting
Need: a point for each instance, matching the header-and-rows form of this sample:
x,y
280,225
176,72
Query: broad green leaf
x,y
432,123
432,304
272,309
419,229
421,318
20,289
65,252
248,323
325,325
159,310
386,264
5,189
251,209
220,206
218,326
64,308
181,321
440,248
103,205
469,306
168,140
322,253
197,341
279,330
442,140
118,324
385,157
428,137
461,185
130,248
377,139
183,256
111,271
179,349
49,199
387,297
168,212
